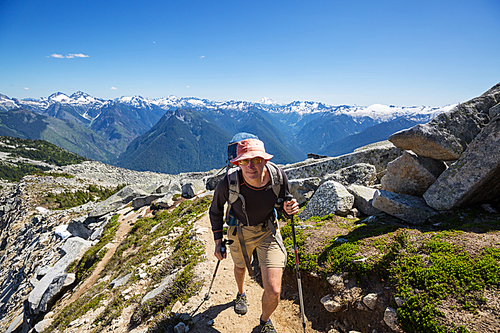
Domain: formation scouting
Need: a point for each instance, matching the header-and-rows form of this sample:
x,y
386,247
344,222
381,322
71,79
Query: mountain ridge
x,y
290,130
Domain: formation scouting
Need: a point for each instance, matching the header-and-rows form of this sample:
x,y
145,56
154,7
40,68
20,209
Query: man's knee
x,y
274,291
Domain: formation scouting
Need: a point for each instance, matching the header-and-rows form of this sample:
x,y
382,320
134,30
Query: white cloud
x,y
188,87
77,55
26,88
202,57
69,56
114,88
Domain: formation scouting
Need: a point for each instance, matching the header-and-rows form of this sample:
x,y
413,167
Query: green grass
x,y
425,267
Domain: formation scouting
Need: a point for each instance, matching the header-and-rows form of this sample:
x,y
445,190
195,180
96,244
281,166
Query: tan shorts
x,y
268,250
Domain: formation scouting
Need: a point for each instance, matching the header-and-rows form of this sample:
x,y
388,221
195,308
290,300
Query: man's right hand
x,y
218,246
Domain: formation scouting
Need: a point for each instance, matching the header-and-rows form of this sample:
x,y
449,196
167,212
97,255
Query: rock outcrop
x,y
475,177
447,135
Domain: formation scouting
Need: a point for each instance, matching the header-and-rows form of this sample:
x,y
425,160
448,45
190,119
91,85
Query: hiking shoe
x,y
267,327
240,304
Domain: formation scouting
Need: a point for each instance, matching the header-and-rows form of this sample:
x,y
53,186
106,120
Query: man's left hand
x,y
291,207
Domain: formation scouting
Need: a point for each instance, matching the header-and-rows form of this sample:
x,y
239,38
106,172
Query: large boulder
x,y
117,200
79,229
330,198
55,279
447,135
303,189
360,174
191,187
363,199
378,157
474,178
54,288
411,174
408,208
145,200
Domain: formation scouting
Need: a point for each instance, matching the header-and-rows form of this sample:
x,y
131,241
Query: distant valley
x,y
173,134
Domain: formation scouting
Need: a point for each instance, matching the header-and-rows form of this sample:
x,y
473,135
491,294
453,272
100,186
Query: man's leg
x,y
239,275
271,279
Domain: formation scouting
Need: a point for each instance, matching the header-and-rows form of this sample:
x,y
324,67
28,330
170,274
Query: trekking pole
x,y
207,295
289,197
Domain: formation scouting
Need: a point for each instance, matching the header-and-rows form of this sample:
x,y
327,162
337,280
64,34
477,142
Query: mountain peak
x,y
58,97
266,100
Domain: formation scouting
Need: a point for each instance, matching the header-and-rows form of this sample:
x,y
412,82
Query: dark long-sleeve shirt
x,y
259,201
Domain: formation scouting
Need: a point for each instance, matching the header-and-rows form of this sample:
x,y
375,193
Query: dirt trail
x,y
219,307
127,217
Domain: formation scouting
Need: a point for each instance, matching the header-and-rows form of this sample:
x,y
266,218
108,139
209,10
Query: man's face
x,y
252,169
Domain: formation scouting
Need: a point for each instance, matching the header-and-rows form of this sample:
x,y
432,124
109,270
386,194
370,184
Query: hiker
x,y
256,224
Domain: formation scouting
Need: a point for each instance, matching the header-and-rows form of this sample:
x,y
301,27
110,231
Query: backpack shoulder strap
x,y
276,177
234,185
234,193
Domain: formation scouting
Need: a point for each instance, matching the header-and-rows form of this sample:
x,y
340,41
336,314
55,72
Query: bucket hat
x,y
250,148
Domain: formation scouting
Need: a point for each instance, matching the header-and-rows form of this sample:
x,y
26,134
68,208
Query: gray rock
x,y
213,181
363,199
164,285
411,174
474,178
370,301
330,304
408,208
15,324
180,328
378,157
117,200
330,198
166,201
303,189
191,187
79,229
447,135
73,249
43,325
56,286
118,282
360,174
494,111
146,200
163,187
391,319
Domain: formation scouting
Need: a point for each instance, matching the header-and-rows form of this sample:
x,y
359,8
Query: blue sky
x,y
336,52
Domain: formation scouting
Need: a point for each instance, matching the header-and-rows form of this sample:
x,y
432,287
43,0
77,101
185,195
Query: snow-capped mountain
x,y
301,108
292,130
